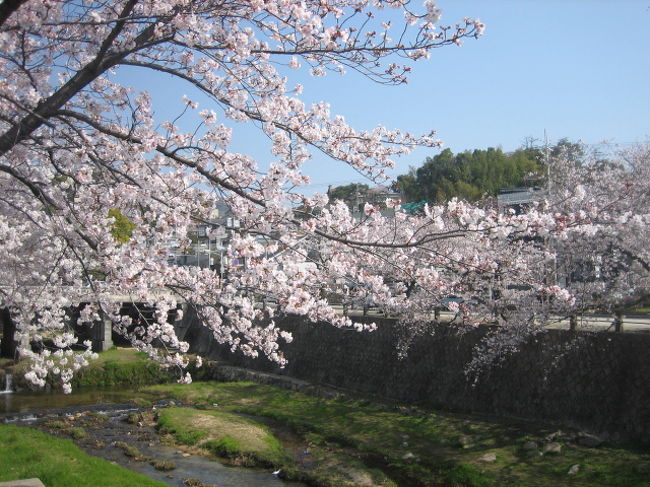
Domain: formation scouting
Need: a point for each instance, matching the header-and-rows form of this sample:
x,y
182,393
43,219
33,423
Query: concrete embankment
x,y
594,381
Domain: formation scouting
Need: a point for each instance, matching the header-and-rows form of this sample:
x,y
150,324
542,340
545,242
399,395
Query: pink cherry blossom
x,y
95,186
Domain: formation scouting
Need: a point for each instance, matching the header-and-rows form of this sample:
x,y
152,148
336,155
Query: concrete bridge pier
x,y
101,335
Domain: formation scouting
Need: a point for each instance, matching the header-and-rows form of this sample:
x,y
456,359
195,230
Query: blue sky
x,y
575,68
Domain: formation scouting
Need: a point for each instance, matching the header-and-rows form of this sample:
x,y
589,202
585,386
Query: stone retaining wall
x,y
601,384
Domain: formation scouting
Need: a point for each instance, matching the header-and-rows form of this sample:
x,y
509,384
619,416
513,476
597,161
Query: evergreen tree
x,y
470,175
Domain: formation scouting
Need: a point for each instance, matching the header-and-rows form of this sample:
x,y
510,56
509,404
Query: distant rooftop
x,y
520,196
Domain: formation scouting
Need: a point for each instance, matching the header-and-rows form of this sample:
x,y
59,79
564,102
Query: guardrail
x,y
633,322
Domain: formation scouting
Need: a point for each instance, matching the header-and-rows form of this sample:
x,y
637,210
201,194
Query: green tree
x,y
348,192
407,185
574,151
470,175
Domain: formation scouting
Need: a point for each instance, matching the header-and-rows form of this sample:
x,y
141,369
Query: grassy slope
x,y
447,447
246,442
124,367
26,453
224,434
120,367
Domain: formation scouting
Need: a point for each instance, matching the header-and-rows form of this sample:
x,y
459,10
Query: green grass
x,y
447,448
163,465
27,453
178,422
131,451
331,468
121,367
120,354
77,433
225,435
117,367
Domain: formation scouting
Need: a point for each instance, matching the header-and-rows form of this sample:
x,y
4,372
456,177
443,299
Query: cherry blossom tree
x,y
79,152
94,187
599,265
606,267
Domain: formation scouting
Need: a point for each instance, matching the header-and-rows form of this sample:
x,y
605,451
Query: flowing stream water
x,y
33,410
9,378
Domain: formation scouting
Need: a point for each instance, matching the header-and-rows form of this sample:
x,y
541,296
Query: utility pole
x,y
546,163
552,279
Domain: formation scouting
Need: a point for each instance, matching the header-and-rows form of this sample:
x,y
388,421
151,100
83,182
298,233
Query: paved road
x,y
631,323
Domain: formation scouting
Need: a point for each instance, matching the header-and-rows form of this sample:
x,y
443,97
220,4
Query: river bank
x,y
125,435
349,441
96,418
27,453
120,368
321,437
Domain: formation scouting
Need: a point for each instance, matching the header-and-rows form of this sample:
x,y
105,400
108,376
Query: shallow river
x,y
32,409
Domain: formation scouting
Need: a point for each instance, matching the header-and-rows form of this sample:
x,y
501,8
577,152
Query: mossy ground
x,y
27,453
121,367
415,447
117,367
242,440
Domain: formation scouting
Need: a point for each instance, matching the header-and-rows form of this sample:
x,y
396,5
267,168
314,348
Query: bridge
x,y
101,332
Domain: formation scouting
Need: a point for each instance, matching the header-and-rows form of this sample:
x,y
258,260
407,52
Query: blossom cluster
x,y
94,186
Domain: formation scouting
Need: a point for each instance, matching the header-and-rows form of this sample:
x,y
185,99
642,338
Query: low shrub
x,y
163,465
77,433
131,451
